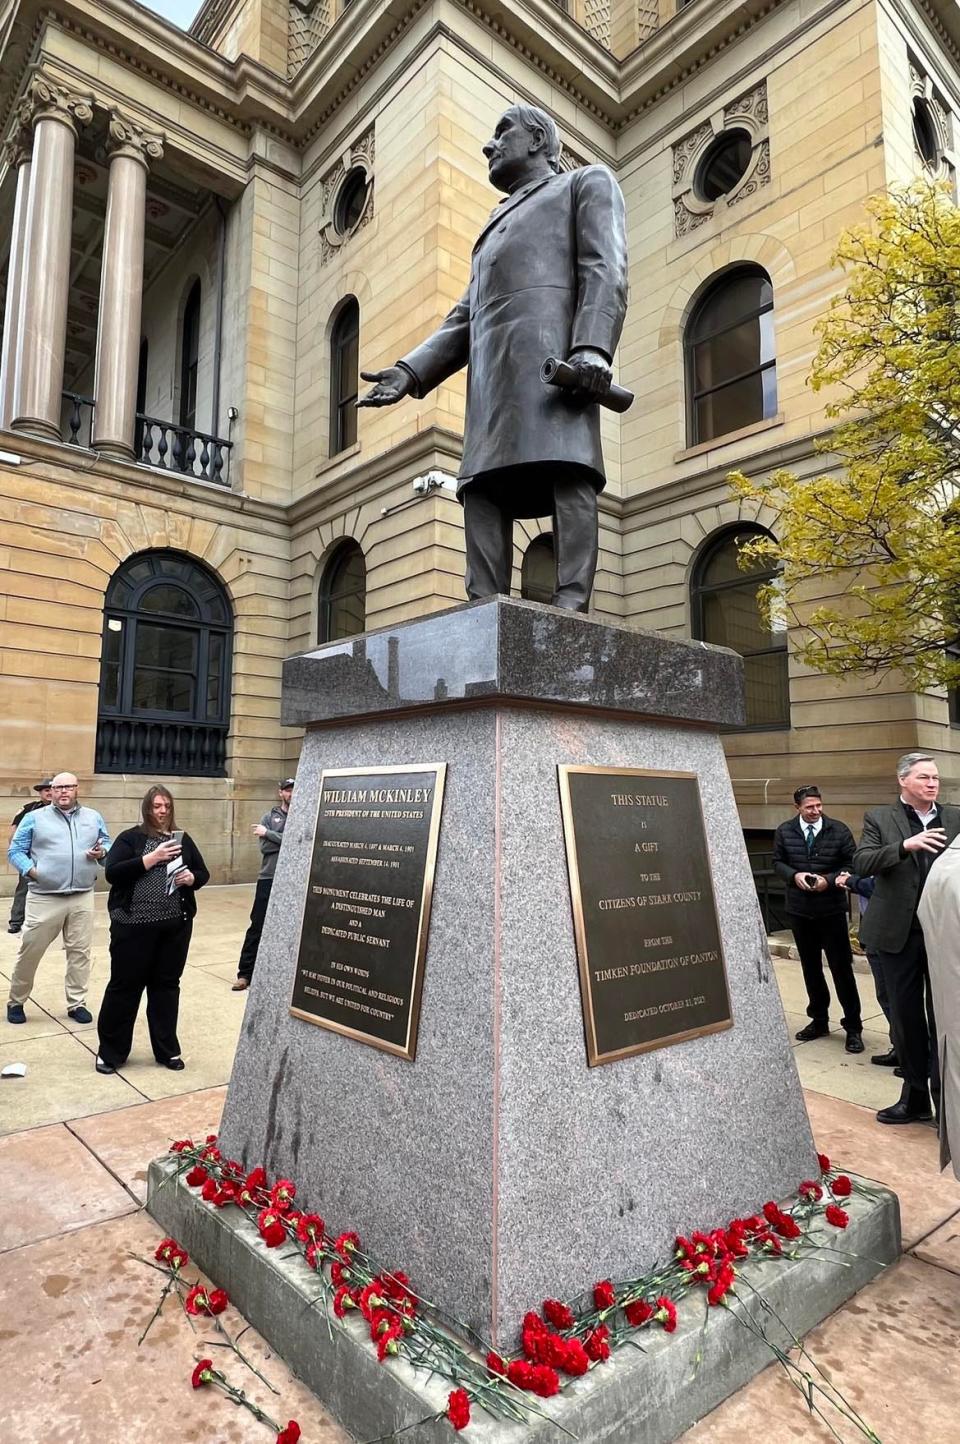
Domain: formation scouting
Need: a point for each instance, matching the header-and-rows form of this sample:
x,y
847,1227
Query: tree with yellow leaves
x,y
881,530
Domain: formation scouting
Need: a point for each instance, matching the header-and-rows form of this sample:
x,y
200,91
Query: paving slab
x,y
126,1140
210,1020
892,1352
61,1083
942,1247
47,995
80,1310
904,1157
52,1185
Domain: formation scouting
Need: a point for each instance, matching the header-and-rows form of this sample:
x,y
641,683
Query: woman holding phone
x,y
153,870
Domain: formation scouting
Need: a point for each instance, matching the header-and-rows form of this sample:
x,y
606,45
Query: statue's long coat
x,y
939,914
548,275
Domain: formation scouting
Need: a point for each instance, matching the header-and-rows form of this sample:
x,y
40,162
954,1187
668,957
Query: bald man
x,y
57,849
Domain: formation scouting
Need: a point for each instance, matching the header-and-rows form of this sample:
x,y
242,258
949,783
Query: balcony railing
x,y
182,449
79,418
183,749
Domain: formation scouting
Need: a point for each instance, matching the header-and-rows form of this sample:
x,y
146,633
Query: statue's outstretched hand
x,y
392,385
594,372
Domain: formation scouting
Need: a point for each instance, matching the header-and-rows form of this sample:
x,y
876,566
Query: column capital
x,y
128,138
16,149
45,98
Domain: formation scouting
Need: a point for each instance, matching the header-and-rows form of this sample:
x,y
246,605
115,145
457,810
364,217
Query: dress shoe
x,y
907,1111
241,985
80,1014
811,1031
102,1067
15,1013
885,1060
13,927
176,1065
854,1043
898,1072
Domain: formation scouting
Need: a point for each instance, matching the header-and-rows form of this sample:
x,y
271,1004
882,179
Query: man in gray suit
x,y
898,846
548,278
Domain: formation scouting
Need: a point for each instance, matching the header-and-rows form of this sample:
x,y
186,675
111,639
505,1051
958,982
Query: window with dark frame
x,y
730,356
725,611
538,570
342,600
344,376
190,359
164,669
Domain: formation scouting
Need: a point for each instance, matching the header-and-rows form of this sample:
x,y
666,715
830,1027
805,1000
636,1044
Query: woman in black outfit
x,y
149,932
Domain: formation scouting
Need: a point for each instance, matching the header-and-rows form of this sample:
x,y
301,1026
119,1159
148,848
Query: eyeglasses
x,y
65,787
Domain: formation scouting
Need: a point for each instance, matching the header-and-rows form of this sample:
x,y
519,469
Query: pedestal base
x,y
647,1397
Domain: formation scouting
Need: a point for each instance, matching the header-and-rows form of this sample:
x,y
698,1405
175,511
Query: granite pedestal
x,y
498,1169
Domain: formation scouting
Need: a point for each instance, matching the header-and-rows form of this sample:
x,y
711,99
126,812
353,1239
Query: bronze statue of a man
x,y
548,278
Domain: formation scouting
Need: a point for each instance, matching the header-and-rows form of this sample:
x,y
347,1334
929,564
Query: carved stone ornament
x,y
569,160
360,156
46,98
750,113
128,138
939,115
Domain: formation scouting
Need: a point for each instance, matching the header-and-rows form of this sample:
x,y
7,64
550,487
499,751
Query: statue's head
x,y
525,145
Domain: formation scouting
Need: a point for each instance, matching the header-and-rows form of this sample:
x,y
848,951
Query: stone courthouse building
x,y
204,235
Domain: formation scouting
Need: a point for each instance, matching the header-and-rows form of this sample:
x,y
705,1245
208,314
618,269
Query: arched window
x,y
344,375
725,612
729,355
538,571
342,603
190,358
165,669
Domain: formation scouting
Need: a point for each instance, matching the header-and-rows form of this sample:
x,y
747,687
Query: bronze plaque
x,y
364,933
648,941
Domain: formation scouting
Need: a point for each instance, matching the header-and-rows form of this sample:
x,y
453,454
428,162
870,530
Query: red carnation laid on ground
x,y
290,1435
837,1216
841,1186
603,1295
198,1379
557,1314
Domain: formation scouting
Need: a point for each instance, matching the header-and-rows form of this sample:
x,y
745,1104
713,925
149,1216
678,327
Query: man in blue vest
x,y
813,854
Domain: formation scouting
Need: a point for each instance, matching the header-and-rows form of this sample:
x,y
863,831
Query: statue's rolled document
x,y
560,373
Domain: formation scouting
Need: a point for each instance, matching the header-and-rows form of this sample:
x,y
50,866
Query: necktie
x,y
811,838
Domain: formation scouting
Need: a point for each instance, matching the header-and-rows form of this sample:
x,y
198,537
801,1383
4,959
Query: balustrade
x,y
182,449
182,749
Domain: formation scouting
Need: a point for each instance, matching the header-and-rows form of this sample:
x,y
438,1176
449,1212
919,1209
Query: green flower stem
x,y
237,1396
230,1343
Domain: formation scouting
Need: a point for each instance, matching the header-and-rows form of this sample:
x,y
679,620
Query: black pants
x,y
879,985
151,958
488,530
248,953
830,935
913,1028
18,907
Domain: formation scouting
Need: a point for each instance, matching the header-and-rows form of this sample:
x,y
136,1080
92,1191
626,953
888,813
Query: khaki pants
x,y
47,916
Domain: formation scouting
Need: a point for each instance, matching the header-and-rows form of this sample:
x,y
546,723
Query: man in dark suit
x,y
548,277
898,846
811,853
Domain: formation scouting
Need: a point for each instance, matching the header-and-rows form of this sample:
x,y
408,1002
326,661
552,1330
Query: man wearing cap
x,y
44,788
270,832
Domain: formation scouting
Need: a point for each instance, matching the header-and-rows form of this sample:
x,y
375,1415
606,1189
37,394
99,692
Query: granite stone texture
x,y
502,650
641,1396
497,1169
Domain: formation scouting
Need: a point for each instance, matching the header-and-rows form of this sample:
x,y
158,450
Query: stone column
x,y
121,287
54,113
17,156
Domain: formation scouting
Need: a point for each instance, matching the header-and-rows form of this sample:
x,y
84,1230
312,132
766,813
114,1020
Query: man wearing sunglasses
x,y
57,850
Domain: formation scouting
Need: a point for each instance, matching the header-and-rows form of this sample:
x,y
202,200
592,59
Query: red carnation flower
x,y
271,1229
209,1190
168,1251
772,1211
772,1245
314,1257
519,1372
544,1381
196,1301
458,1408
638,1312
342,1300
233,1170
557,1314
787,1227
496,1365
603,1295
257,1178
596,1346
666,1314
196,1176
824,1162
282,1194
210,1152
842,1186
837,1216
309,1227
226,1194
290,1435
347,1244
338,1274
370,1298
571,1357
809,1191
182,1146
201,1373
387,1341
218,1301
